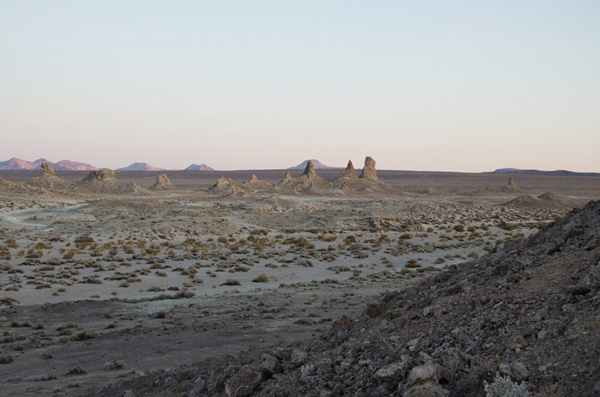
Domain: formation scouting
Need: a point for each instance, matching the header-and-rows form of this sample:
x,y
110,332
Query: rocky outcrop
x,y
162,182
46,170
369,171
349,171
511,183
104,174
309,171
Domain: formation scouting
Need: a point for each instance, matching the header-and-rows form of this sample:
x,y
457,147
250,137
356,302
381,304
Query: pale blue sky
x,y
421,85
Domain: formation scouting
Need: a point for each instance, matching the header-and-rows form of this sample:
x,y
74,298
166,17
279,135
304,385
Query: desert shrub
x,y
330,239
83,335
114,365
411,264
231,281
439,261
350,240
46,355
112,324
5,359
222,240
38,326
261,278
503,386
18,347
161,314
77,370
305,262
11,243
406,236
459,228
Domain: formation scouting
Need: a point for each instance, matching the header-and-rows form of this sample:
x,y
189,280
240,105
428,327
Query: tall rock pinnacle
x,y
369,171
309,171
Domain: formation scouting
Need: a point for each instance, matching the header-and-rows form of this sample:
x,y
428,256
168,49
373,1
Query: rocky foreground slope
x,y
529,312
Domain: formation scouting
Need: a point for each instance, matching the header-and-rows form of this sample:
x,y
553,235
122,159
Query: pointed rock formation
x,y
104,174
287,177
162,182
349,171
255,184
369,171
46,170
511,183
309,171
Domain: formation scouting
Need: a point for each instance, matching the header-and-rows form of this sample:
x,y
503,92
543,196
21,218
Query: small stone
x,y
298,358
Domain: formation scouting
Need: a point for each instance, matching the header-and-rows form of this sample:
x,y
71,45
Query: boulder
x,y
298,358
423,381
244,382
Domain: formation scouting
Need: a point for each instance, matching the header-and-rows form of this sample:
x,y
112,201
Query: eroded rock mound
x,y
104,174
349,171
224,186
162,182
511,183
368,171
550,200
46,170
287,177
254,184
104,181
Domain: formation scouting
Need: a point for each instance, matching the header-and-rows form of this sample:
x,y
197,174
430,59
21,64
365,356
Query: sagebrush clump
x,y
503,386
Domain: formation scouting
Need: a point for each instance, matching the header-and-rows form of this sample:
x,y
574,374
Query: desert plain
x,y
109,277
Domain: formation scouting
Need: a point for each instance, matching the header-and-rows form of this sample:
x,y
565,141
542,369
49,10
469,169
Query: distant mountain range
x,y
538,172
318,165
63,165
139,167
68,165
199,167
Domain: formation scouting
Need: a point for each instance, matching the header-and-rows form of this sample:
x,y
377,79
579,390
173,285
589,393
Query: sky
x,y
418,85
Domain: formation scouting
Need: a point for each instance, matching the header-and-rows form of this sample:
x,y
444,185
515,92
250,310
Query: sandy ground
x,y
99,288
